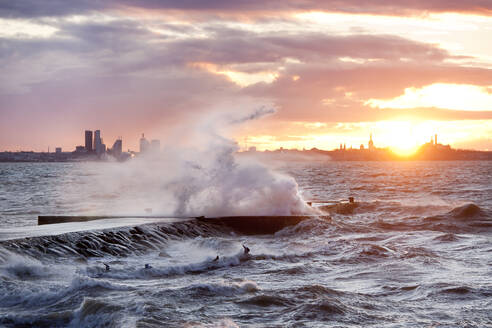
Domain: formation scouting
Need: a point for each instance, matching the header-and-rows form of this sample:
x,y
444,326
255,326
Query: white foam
x,y
30,282
220,323
22,267
167,268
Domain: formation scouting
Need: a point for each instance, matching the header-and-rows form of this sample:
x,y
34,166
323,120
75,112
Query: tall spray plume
x,y
196,173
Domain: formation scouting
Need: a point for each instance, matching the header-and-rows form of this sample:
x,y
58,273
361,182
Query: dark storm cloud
x,y
126,46
250,48
35,8
351,6
80,39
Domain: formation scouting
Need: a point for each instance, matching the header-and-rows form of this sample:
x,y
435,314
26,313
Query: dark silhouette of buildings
x,y
99,146
430,151
88,141
117,148
427,152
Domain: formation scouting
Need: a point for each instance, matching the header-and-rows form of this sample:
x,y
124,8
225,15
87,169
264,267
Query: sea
x,y
415,252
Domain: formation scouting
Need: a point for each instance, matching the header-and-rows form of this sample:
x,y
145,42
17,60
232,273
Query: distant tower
x,y
155,145
117,147
88,141
98,142
144,144
371,143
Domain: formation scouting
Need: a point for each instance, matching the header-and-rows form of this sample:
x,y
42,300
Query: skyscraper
x,y
117,148
97,138
144,144
88,141
155,146
98,142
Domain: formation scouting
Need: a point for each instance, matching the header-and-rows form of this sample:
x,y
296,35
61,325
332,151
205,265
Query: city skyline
x,y
97,146
93,144
410,144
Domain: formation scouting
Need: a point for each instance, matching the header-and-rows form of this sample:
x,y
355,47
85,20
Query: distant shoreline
x,y
349,155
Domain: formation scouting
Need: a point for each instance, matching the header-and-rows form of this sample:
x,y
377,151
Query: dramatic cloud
x,y
127,67
350,6
33,8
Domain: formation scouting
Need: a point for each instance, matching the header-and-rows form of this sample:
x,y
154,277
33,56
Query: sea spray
x,y
202,177
224,185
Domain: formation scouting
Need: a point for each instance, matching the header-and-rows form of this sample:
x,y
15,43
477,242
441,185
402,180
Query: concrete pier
x,y
258,225
249,225
52,219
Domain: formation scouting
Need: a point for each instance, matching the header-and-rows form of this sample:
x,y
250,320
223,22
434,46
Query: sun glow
x,y
403,137
440,95
400,136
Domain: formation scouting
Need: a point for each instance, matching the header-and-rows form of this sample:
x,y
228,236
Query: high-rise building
x,y
97,140
144,144
155,146
117,147
98,144
88,141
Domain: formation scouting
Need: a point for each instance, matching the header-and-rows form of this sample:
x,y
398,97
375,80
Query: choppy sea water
x,y
416,252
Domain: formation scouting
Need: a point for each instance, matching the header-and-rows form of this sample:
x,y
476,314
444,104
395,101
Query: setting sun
x,y
403,137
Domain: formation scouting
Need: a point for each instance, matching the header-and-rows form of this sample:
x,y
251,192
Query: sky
x,y
320,73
